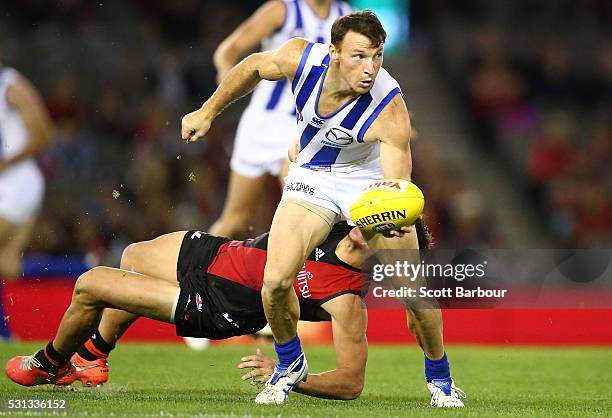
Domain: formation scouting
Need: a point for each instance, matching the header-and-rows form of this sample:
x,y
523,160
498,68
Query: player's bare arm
x,y
349,320
24,98
246,37
392,129
274,65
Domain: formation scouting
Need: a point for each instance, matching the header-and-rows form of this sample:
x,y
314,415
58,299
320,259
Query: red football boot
x,y
27,371
90,373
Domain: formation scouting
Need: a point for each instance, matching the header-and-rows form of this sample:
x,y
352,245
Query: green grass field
x,y
171,381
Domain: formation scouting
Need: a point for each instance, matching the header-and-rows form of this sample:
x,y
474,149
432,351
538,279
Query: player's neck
x,y
321,8
335,87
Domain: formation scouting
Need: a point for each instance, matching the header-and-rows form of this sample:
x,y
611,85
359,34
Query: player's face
x,y
359,61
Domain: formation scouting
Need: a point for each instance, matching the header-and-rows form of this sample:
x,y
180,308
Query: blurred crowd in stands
x,y
117,77
536,83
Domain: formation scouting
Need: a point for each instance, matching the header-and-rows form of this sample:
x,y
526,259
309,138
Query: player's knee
x,y
130,257
87,286
277,282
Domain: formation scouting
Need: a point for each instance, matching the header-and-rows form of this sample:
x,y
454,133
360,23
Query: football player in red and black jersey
x,y
208,287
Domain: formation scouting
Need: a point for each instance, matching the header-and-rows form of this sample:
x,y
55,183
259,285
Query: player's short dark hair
x,y
365,23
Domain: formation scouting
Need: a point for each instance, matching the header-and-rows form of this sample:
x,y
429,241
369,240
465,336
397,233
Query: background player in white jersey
x,y
354,129
267,125
25,131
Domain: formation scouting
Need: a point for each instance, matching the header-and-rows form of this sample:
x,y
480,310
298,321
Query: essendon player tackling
x,y
217,296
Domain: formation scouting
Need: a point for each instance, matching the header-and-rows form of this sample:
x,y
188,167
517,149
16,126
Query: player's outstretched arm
x,y
392,129
345,382
349,321
246,37
241,80
23,97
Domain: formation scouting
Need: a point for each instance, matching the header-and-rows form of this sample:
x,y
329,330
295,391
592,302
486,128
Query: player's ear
x,y
334,53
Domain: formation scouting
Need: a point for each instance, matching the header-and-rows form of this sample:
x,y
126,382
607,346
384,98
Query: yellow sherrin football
x,y
387,205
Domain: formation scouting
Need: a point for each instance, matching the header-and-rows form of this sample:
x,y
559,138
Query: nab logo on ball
x,y
338,137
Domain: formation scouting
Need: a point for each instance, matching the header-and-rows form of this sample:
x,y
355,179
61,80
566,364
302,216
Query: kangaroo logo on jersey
x,y
338,138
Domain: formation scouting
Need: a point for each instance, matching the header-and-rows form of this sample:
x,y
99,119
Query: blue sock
x,y
288,352
437,369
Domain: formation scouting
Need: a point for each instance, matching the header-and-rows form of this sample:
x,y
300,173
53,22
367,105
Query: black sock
x,y
95,348
50,359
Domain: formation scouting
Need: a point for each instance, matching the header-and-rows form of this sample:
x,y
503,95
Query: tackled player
x,y
208,287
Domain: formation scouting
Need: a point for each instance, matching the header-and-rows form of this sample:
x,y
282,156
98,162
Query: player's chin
x,y
362,88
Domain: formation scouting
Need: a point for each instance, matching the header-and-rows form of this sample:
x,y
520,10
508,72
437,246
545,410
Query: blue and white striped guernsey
x,y
300,21
335,142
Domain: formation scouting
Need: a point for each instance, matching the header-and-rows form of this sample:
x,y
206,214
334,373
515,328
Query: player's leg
x,y
21,194
102,287
424,318
297,228
95,290
155,258
8,271
14,239
243,195
423,315
426,326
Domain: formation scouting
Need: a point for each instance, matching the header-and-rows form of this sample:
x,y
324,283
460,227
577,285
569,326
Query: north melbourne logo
x,y
339,138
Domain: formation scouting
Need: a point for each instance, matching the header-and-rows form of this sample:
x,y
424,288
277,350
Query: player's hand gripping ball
x,y
387,205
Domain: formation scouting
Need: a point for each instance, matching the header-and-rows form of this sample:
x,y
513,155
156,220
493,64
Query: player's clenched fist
x,y
194,125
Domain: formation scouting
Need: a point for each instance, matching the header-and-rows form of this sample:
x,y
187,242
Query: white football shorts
x,y
262,141
333,190
22,188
